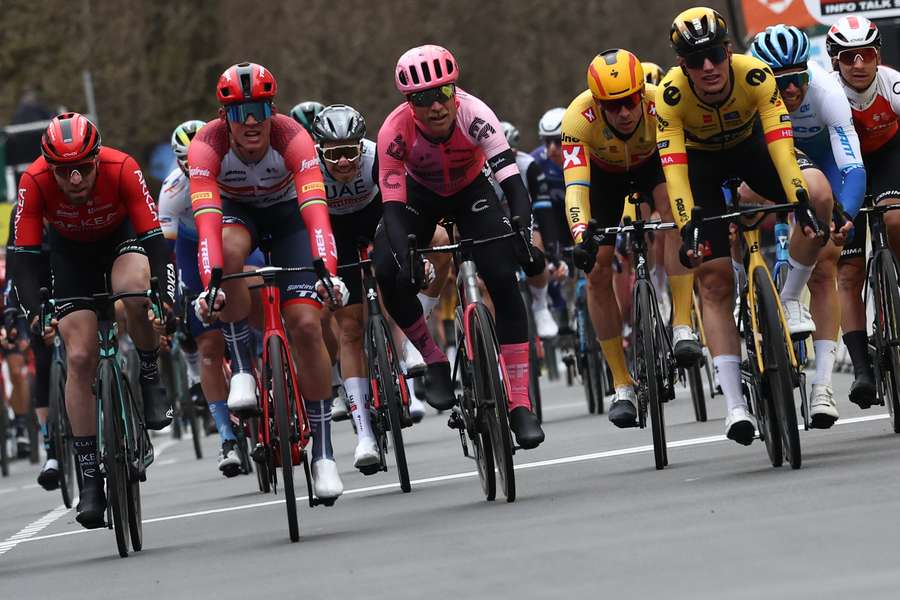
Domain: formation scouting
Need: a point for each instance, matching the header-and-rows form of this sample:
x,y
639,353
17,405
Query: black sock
x,y
86,451
149,365
857,343
19,424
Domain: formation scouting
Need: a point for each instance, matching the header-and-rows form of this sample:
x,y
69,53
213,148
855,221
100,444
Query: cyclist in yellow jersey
x,y
609,149
653,73
720,116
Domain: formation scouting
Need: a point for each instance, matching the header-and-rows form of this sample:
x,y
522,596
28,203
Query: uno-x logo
x,y
571,157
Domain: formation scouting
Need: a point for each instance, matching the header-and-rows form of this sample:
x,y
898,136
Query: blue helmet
x,y
781,46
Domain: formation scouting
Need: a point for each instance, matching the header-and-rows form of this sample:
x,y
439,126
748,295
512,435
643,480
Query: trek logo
x,y
320,242
204,258
572,157
845,142
479,129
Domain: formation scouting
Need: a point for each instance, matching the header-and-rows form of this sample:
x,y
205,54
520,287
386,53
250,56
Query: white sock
x,y
728,369
538,297
740,274
825,350
193,366
428,303
796,280
357,389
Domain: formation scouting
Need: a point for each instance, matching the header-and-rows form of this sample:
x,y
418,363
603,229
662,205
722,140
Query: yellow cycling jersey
x,y
686,122
588,139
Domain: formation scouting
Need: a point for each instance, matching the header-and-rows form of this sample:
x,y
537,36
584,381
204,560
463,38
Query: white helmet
x,y
851,32
511,132
550,124
181,139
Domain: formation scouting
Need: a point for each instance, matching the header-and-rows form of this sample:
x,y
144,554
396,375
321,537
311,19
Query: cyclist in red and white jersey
x,y
103,228
255,181
432,150
854,45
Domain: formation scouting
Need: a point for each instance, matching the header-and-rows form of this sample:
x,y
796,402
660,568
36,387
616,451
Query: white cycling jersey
x,y
175,215
346,198
823,123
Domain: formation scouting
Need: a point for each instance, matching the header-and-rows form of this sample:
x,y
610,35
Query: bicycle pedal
x,y
455,421
258,454
371,469
324,501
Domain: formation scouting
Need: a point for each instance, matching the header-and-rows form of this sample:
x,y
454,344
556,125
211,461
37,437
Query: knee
x,y
304,323
81,359
211,348
823,276
717,285
351,333
850,278
602,273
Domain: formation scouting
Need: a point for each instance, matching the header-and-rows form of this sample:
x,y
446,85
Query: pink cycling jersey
x,y
443,167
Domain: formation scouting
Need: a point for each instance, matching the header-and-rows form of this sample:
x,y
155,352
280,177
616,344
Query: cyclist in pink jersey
x,y
256,172
432,152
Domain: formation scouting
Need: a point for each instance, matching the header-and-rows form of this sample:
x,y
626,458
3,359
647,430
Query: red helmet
x,y
246,82
70,138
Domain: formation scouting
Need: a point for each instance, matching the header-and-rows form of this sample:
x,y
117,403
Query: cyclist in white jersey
x,y
823,131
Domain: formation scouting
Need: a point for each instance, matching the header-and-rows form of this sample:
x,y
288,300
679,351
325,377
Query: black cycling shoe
x,y
525,425
91,507
623,414
687,353
48,478
197,396
439,387
157,408
419,388
862,392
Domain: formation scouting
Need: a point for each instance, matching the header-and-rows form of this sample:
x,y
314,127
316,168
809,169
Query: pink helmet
x,y
425,67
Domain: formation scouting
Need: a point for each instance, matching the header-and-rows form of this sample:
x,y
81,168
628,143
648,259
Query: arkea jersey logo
x,y
588,114
571,156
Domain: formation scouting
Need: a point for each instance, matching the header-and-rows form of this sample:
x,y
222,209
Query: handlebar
x,y
49,305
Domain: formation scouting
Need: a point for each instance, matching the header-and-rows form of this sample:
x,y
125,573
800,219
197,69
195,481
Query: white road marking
x,y
374,488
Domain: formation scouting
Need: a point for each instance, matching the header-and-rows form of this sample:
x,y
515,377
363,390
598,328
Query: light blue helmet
x,y
781,46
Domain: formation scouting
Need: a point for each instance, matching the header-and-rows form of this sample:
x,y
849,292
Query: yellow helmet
x,y
697,28
653,73
615,74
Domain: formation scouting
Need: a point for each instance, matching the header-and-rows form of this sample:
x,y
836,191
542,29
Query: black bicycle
x,y
123,443
58,426
173,374
388,390
883,279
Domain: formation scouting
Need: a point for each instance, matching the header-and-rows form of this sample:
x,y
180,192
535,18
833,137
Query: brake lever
x,y
323,275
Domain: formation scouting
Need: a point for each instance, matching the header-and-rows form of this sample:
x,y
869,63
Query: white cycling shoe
x,y
242,394
339,409
327,484
799,320
544,322
412,363
740,426
366,454
823,410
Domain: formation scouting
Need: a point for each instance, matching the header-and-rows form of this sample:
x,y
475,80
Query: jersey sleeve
x,y
483,128
168,208
137,198
576,169
28,225
673,155
777,129
206,203
838,117
892,87
300,157
391,149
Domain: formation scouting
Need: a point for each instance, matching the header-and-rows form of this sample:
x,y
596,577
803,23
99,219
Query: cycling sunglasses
x,y
83,169
798,78
552,140
428,97
336,153
848,57
239,113
628,102
715,54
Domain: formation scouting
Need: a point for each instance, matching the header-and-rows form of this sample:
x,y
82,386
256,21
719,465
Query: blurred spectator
x,y
30,109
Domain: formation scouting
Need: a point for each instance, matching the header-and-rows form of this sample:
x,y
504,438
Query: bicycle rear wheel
x,y
698,395
389,379
114,453
493,401
285,421
61,435
778,382
650,377
887,322
4,437
474,423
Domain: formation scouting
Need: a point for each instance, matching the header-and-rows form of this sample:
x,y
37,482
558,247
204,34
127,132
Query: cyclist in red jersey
x,y
255,180
854,45
104,234
432,153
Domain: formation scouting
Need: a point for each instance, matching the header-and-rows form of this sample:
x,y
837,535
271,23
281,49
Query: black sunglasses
x,y
715,54
428,97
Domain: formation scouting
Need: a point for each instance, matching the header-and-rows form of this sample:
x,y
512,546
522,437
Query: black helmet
x,y
698,28
338,123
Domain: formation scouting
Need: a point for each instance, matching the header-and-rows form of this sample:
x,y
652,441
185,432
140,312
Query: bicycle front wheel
x,y
136,447
285,420
887,316
4,439
114,453
698,395
389,379
493,399
778,383
650,377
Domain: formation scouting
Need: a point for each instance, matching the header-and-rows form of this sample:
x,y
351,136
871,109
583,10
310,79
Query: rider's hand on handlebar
x,y
693,249
416,277
47,333
559,270
201,306
339,292
165,324
809,223
585,254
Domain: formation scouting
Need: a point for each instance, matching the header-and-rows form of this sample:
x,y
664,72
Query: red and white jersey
x,y
875,109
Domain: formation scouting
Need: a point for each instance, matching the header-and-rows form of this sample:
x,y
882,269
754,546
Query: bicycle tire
x,y
494,396
282,395
114,454
534,361
888,324
263,480
4,438
389,378
778,376
34,433
475,429
133,489
698,395
60,433
593,363
645,327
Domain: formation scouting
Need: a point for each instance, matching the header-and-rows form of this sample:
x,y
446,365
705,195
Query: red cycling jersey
x,y
875,109
291,155
120,192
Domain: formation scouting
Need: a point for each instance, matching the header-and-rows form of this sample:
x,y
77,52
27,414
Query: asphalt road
x,y
593,519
